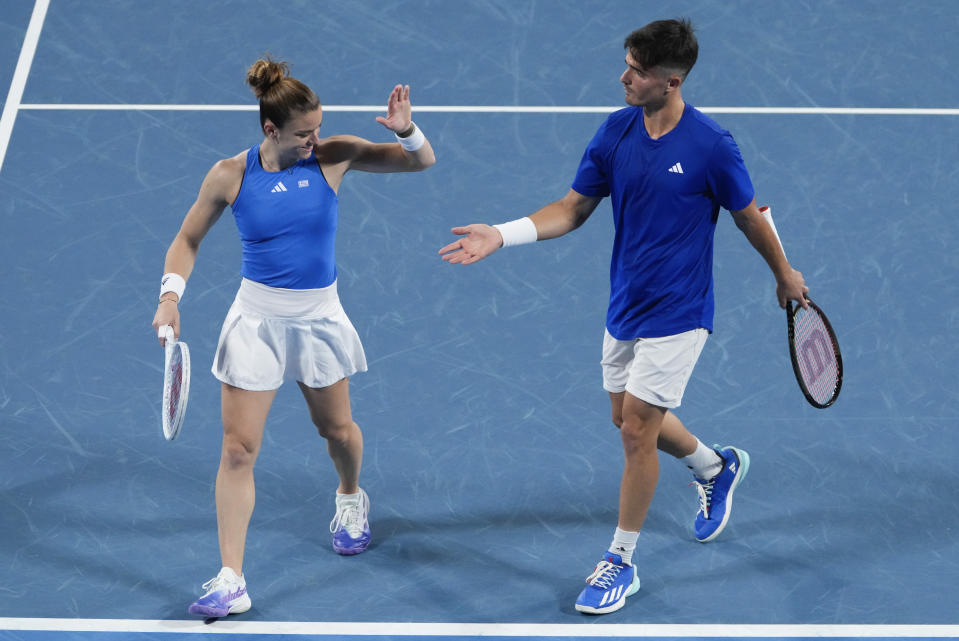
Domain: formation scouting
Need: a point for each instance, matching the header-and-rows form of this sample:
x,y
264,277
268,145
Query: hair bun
x,y
264,74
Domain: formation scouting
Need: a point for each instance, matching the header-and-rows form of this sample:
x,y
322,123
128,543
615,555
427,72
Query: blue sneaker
x,y
225,594
351,525
608,586
716,495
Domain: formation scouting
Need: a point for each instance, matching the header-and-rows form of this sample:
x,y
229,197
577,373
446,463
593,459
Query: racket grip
x,y
166,332
767,213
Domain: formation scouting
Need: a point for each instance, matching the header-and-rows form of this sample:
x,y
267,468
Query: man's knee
x,y
617,417
640,424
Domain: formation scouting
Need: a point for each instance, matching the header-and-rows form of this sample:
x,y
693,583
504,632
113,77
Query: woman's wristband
x,y
518,232
172,283
411,139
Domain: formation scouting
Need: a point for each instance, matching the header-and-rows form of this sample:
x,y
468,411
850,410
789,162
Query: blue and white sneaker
x,y
351,525
608,586
225,594
716,495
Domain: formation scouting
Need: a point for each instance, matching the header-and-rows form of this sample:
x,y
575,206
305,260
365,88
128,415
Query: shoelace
x,y
604,575
217,583
350,515
705,491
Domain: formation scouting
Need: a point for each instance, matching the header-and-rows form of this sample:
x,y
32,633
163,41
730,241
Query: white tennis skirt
x,y
271,335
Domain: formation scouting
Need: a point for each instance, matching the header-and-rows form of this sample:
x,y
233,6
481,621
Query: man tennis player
x,y
668,169
286,322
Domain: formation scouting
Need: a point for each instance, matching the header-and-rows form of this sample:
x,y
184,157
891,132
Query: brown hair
x,y
279,93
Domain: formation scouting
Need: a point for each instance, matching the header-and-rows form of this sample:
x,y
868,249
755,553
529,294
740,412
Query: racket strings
x,y
176,387
815,354
176,382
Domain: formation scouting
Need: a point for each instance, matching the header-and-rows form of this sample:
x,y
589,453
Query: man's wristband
x,y
411,139
518,232
172,283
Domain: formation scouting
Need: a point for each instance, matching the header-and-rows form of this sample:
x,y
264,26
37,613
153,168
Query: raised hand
x,y
399,111
478,242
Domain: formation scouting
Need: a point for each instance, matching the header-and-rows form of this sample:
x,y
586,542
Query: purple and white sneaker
x,y
225,594
351,525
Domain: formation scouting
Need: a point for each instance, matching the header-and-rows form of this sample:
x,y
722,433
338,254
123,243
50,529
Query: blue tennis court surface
x,y
491,461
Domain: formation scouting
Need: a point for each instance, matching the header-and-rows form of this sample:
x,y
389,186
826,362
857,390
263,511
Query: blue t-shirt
x,y
666,196
287,222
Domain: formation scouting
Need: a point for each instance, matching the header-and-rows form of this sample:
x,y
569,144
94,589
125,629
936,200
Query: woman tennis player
x,y
286,322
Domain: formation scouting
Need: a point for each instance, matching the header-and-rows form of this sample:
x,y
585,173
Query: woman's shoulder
x,y
226,175
232,165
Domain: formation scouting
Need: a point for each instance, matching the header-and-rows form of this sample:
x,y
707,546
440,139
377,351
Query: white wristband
x,y
518,232
412,142
172,283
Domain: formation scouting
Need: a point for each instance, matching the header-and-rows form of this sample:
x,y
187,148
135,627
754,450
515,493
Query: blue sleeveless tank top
x,y
287,222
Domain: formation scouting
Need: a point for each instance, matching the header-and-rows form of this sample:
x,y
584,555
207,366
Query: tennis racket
x,y
176,383
813,348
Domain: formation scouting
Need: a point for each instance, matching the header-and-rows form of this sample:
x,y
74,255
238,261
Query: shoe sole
x,y
743,457
619,603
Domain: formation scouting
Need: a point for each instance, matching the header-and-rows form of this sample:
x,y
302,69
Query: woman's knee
x,y
337,430
238,453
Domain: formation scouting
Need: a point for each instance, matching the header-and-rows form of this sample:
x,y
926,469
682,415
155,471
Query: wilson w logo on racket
x,y
813,348
176,383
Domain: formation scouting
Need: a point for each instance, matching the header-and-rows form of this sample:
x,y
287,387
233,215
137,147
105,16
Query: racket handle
x,y
767,213
166,332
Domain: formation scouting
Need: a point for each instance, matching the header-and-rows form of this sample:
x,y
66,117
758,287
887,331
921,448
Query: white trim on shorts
x,y
655,370
271,335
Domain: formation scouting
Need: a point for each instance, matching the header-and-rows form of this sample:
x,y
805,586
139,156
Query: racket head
x,y
815,355
176,388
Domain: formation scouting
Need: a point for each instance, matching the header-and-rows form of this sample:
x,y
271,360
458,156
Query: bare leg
x,y
331,413
244,416
639,430
645,428
674,438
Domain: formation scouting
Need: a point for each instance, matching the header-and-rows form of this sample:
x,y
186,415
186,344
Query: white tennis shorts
x,y
655,370
271,335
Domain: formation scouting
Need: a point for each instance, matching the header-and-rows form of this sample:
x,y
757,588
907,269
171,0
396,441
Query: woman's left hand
x,y
398,110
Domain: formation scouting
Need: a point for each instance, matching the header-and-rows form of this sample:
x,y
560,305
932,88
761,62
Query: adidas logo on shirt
x,y
676,169
278,187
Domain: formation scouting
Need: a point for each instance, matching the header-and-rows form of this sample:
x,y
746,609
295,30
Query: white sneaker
x,y
351,525
225,594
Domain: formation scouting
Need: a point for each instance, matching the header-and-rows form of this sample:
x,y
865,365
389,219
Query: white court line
x,y
532,630
507,109
20,74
